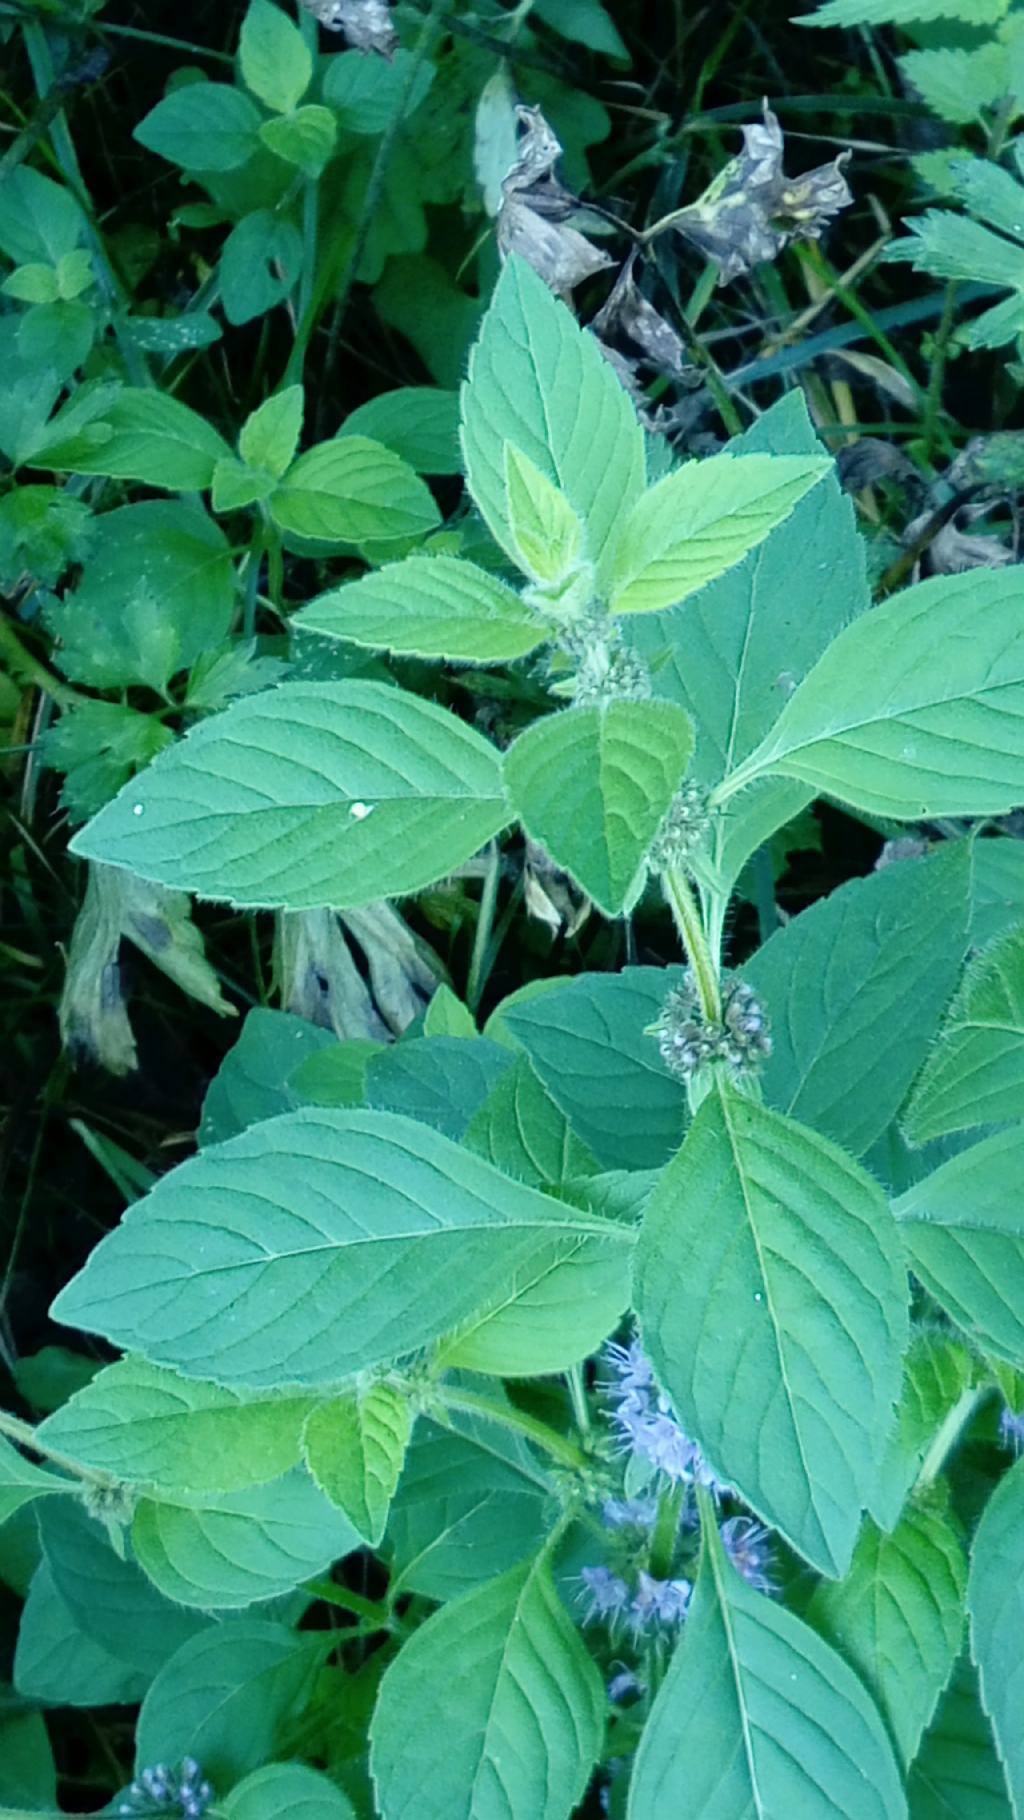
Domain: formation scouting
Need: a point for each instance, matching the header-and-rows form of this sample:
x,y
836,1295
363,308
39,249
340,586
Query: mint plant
x,y
636,1338
595,1391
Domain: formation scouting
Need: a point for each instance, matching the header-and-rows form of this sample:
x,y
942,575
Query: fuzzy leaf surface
x,y
355,1448
963,1231
507,1658
898,1618
975,1074
772,1299
312,1246
700,521
915,710
995,1601
855,988
310,794
757,1718
537,380
428,606
592,785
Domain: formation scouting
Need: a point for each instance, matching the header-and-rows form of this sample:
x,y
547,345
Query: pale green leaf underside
x,y
355,1447
697,523
898,1618
855,988
995,1600
428,606
530,1706
145,1425
551,1314
772,1299
916,709
306,795
963,1231
537,380
240,1547
311,1246
758,1719
592,785
975,1074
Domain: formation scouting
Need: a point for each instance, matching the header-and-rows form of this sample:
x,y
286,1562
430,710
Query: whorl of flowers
x,y
161,1790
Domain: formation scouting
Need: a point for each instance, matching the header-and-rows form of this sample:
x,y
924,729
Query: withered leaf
x,y
628,312
752,210
535,206
366,23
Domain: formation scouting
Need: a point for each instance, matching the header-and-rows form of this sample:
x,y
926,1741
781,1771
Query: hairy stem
x,y
690,924
25,1436
560,1447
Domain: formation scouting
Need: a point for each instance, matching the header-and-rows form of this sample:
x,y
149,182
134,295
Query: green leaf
x,y
957,1775
975,1073
855,988
276,62
428,606
521,1130
21,1482
963,1229
147,436
758,1717
353,491
583,22
59,1664
367,93
698,522
530,1701
441,1080
339,1252
334,1076
111,1599
253,1081
420,423
205,126
937,1375
546,533
31,284
958,84
238,1547
225,1697
472,1501
537,380
146,1425
306,795
554,1312
260,263
355,1448
998,888
912,711
732,652
28,1775
905,12
772,1297
305,138
234,486
446,1015
286,1788
157,589
587,1044
592,786
270,434
898,1618
995,1601
40,221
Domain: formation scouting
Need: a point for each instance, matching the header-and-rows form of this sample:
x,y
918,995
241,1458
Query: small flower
x,y
1011,1427
630,1513
647,1427
606,1593
160,1789
625,1685
659,1602
748,1546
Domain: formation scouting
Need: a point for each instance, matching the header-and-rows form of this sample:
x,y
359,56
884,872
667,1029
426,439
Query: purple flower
x,y
748,1546
630,1513
1011,1428
625,1685
645,1422
658,1602
606,1593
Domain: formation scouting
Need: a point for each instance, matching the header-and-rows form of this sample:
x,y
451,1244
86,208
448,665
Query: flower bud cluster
x,y
647,1606
688,1040
683,828
161,1790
